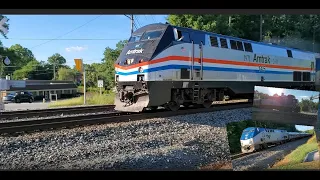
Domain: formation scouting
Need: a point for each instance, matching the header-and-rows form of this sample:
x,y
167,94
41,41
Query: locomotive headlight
x,y
140,69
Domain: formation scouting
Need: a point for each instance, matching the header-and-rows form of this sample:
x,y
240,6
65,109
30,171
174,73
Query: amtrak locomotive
x,y
169,66
255,138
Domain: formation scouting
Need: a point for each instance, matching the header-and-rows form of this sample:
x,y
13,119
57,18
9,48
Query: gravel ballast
x,y
181,142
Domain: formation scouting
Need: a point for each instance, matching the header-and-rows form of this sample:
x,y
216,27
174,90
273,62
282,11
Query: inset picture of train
x,y
285,105
262,145
257,138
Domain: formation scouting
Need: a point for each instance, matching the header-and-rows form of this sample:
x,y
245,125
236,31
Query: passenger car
x,y
22,96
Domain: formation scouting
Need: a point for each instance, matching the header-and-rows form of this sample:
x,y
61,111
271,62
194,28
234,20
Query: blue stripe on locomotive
x,y
206,68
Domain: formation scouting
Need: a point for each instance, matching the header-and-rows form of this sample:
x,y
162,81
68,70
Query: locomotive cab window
x,y
151,35
289,52
239,46
214,41
223,43
183,36
233,44
248,47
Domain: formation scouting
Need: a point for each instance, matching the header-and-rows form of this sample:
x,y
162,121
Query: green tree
x,y
110,56
95,72
20,56
44,71
26,71
56,59
66,74
308,105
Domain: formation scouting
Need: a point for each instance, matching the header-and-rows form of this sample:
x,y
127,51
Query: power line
x,y
68,32
73,39
153,18
137,20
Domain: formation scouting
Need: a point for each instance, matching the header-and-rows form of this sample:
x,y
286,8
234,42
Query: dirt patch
x,y
217,166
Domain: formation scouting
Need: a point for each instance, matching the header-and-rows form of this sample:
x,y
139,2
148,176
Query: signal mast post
x,y
81,68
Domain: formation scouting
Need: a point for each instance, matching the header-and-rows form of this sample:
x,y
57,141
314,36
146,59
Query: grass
x,y
91,99
295,159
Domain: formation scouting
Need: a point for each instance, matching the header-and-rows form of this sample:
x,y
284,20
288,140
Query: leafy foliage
x,y
66,74
6,25
289,30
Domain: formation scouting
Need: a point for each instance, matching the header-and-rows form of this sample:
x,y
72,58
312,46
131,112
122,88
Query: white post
x,y
100,91
84,84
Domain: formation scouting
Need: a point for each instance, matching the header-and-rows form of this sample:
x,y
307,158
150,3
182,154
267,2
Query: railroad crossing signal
x,y
6,61
79,64
2,28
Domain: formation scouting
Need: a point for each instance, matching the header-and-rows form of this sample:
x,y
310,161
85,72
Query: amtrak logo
x,y
135,51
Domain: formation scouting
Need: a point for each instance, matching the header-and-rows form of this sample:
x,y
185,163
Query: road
x,y
267,158
25,106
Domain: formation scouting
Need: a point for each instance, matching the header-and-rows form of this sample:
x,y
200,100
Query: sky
x,y
303,128
30,30
299,94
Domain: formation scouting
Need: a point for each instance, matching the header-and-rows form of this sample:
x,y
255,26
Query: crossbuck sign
x,y
2,28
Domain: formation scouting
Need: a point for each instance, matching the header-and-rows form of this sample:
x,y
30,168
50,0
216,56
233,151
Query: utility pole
x,y
54,71
132,21
314,34
84,85
229,21
261,22
131,18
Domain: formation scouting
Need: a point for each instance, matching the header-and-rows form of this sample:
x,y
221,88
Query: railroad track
x,y
112,117
239,155
6,115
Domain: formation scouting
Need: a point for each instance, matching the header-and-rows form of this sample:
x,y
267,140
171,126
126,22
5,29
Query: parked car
x,y
19,97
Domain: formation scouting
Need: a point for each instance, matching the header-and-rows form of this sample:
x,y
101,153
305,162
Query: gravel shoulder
x,y
181,142
264,159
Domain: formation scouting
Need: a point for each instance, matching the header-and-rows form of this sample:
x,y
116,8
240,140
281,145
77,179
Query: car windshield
x,y
151,35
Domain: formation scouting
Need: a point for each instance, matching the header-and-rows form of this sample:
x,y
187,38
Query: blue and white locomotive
x,y
255,138
165,65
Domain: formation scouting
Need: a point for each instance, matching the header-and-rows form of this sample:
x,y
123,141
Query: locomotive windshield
x,y
151,35
134,38
248,130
